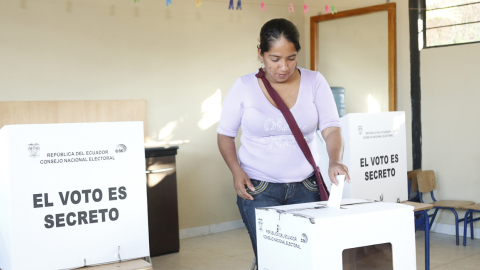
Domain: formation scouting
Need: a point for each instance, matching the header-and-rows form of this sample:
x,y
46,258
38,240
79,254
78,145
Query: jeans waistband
x,y
311,177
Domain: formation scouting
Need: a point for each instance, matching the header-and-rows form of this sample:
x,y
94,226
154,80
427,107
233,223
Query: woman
x,y
271,170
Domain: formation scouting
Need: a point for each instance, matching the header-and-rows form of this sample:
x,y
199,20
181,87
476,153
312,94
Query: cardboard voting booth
x,y
359,235
72,195
375,154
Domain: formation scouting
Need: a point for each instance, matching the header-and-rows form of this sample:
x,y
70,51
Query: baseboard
x,y
211,229
450,229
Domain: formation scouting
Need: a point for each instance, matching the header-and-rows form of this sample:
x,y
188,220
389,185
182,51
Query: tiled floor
x,y
232,251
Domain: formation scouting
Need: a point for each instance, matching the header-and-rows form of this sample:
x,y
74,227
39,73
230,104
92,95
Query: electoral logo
x,y
121,148
260,224
304,238
34,150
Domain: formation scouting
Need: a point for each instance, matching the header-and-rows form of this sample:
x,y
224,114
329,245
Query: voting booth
x,y
375,154
359,235
72,195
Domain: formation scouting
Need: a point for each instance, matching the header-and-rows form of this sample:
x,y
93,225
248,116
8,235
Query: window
x,y
449,22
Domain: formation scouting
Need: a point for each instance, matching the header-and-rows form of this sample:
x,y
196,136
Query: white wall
x,y
175,57
353,53
450,125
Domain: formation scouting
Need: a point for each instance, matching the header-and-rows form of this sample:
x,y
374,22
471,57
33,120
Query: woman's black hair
x,y
274,29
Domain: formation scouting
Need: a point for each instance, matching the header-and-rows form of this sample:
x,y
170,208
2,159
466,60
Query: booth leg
x,y
427,240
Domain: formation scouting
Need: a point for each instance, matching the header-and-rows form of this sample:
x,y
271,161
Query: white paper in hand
x,y
336,193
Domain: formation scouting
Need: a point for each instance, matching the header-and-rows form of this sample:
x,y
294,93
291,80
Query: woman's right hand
x,y
240,180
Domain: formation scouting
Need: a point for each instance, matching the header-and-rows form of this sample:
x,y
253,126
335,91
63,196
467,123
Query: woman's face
x,y
280,61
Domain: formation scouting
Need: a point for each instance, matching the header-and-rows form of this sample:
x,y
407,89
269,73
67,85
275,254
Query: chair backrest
x,y
426,181
413,175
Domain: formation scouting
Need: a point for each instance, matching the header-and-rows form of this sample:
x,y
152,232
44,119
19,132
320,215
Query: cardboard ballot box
x,y
360,235
375,154
72,195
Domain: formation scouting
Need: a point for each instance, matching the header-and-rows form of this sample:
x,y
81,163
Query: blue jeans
x,y
273,194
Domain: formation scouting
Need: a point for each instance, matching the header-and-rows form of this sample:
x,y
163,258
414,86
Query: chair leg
x,y
456,225
465,225
433,218
409,187
456,222
471,225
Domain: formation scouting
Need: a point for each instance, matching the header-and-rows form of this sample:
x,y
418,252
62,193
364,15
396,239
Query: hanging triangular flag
x,y
230,6
305,8
327,9
290,8
239,5
169,2
262,6
334,10
199,3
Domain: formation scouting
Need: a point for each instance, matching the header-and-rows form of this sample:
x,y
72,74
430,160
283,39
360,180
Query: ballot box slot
x,y
373,257
348,204
292,211
158,171
311,218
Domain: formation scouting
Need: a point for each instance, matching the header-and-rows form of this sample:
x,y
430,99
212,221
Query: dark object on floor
x,y
162,200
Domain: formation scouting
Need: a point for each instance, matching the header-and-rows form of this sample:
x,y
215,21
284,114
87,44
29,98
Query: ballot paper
x,y
336,193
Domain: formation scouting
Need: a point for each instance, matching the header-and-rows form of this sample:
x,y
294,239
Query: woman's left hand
x,y
338,169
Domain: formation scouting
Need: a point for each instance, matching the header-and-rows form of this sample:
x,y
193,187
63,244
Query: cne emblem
x,y
121,148
304,238
34,150
260,224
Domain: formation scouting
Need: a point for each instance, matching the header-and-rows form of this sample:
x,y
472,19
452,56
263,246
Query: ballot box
x,y
72,195
359,235
375,154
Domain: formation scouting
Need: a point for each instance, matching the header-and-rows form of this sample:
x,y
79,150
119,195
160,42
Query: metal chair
x,y
427,183
421,223
469,219
413,185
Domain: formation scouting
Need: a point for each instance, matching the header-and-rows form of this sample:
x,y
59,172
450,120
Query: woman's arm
x,y
333,139
240,178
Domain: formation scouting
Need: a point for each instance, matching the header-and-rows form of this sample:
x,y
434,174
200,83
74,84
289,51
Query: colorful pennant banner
x,y
334,10
262,6
290,8
305,8
231,6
